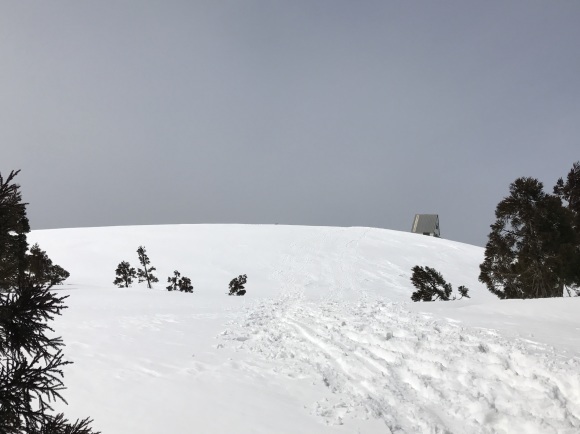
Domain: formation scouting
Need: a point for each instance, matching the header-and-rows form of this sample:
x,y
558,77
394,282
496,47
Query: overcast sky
x,y
335,113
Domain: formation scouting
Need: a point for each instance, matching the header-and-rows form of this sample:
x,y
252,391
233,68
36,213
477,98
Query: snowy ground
x,y
325,341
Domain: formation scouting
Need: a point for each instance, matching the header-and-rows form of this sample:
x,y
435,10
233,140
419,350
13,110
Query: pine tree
x,y
31,362
525,256
463,291
145,274
125,275
430,284
185,284
38,264
13,229
173,281
31,358
237,285
41,271
57,275
179,283
569,192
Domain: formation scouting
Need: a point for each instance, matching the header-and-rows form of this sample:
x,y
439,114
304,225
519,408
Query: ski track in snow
x,y
416,374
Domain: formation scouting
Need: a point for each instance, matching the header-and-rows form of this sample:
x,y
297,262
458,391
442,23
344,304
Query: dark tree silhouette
x,y
569,192
145,274
173,281
125,275
31,358
57,275
530,244
13,229
41,271
185,284
463,291
430,285
179,283
237,285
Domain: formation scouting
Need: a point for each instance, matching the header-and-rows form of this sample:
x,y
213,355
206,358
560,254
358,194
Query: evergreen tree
x,y
237,285
125,275
38,264
13,229
463,291
430,285
145,274
31,358
57,275
41,271
569,192
173,281
31,363
526,254
185,284
179,283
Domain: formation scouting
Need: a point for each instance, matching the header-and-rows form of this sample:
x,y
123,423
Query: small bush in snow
x,y
237,285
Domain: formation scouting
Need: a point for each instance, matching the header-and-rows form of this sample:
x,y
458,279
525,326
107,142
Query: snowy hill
x,y
325,341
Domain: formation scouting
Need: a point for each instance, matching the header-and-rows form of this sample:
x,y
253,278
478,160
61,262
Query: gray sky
x,y
337,113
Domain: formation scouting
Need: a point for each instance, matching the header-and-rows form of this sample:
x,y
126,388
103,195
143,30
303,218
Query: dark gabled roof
x,y
426,223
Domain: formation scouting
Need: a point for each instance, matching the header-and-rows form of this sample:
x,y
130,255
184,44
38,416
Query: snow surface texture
x,y
325,341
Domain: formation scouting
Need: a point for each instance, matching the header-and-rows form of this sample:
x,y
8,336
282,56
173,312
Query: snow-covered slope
x,y
325,340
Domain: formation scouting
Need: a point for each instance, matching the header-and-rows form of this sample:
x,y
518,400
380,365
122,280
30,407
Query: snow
x,y
325,341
